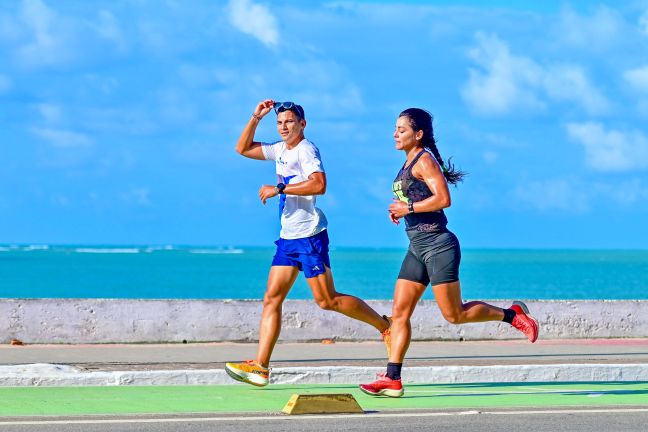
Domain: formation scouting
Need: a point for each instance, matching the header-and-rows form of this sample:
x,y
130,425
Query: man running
x,y
303,240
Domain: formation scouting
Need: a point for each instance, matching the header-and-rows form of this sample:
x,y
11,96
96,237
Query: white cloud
x,y
643,23
642,107
637,78
629,192
320,86
638,81
480,137
63,138
576,195
505,82
60,200
552,194
490,157
5,84
9,28
610,150
127,119
325,84
255,20
569,83
51,113
139,196
108,28
594,32
46,46
105,84
154,35
175,106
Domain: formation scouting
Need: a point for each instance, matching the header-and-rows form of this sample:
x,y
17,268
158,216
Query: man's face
x,y
290,127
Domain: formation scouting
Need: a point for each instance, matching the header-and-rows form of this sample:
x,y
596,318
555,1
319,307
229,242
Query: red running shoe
x,y
384,386
524,322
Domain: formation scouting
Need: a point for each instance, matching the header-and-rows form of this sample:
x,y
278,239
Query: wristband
x,y
258,117
410,206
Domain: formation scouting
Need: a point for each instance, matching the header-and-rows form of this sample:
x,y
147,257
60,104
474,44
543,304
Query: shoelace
x,y
524,325
383,376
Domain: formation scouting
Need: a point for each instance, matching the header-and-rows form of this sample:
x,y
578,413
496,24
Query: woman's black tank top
x,y
408,188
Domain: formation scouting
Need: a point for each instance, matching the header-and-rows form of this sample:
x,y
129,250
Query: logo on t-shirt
x,y
397,188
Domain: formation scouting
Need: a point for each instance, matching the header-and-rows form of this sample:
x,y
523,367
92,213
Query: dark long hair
x,y
420,119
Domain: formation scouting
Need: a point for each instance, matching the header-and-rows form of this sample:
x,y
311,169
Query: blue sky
x,y
118,119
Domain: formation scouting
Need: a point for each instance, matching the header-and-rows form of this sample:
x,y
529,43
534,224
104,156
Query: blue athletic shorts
x,y
309,254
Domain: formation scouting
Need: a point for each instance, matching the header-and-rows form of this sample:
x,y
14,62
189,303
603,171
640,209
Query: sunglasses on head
x,y
286,106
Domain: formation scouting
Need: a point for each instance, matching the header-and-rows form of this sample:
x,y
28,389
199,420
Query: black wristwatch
x,y
410,206
280,188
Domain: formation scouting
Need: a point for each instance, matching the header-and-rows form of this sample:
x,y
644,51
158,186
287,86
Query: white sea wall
x,y
49,375
152,321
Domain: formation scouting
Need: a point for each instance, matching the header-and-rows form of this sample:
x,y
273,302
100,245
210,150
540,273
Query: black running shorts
x,y
432,258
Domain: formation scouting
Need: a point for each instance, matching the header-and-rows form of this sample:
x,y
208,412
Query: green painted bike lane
x,y
66,401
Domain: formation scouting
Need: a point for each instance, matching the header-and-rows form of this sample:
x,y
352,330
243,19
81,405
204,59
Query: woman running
x,y
433,257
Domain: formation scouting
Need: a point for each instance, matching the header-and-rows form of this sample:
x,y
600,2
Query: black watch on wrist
x,y
280,188
410,206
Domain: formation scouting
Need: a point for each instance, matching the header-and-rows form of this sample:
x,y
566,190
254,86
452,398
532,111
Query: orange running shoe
x,y
249,372
524,322
384,386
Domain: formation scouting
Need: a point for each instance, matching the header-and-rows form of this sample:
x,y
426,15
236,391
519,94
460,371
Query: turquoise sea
x,y
40,271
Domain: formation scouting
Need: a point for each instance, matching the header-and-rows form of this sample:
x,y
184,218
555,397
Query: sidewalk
x,y
342,362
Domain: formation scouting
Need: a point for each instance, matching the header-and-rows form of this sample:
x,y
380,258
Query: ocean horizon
x,y
240,272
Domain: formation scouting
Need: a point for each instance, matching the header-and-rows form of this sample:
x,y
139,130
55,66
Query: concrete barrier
x,y
152,321
46,375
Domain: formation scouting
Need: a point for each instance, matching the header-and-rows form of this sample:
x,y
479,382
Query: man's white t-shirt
x,y
299,216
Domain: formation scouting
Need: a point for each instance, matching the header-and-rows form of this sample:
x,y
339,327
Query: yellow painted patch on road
x,y
333,403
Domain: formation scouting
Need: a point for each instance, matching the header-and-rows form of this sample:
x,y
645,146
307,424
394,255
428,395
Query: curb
x,y
52,375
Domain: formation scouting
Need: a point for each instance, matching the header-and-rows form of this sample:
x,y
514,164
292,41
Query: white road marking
x,y
503,392
329,416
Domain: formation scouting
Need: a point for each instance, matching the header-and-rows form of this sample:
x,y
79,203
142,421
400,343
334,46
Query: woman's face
x,y
404,135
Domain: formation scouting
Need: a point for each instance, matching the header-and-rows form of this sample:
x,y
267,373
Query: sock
x,y
509,314
394,370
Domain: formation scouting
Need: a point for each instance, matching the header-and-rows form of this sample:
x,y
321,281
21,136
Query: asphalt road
x,y
627,419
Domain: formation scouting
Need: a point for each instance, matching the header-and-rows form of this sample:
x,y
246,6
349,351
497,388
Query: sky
x,y
118,119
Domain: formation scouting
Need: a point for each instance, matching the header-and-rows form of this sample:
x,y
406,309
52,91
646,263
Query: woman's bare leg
x,y
406,296
455,311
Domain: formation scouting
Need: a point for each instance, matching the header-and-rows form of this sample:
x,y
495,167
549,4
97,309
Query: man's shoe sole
x,y
245,378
